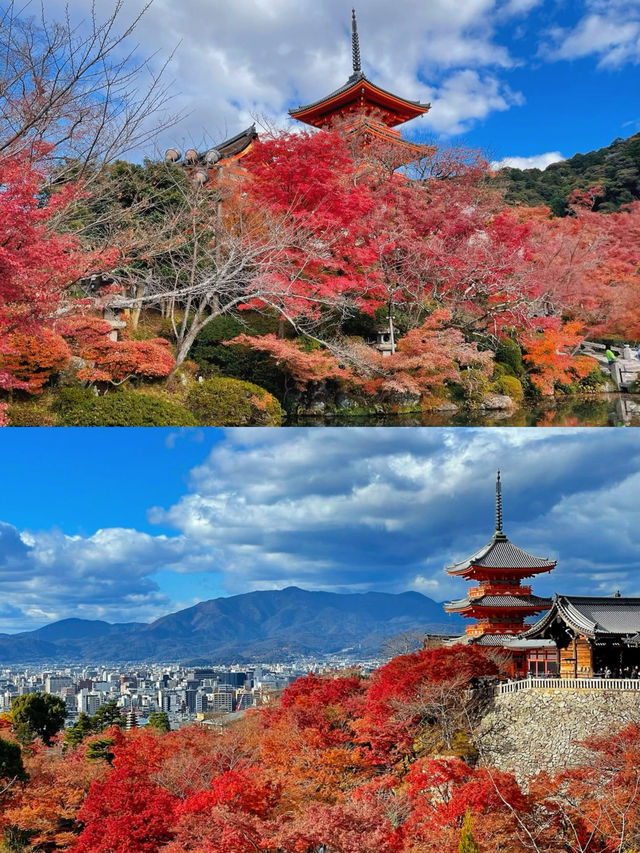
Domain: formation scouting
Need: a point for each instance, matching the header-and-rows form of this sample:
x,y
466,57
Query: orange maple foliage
x,y
32,359
114,361
548,355
331,766
47,806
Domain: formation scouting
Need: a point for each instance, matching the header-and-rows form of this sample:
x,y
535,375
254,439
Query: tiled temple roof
x,y
493,601
591,616
500,553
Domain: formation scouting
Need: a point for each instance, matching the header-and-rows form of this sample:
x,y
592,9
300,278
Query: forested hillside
x,y
616,169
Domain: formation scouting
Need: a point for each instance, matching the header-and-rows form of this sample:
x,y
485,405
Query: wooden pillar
x,y
576,660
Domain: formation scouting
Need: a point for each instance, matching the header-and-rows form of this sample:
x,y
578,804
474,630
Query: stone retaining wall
x,y
535,730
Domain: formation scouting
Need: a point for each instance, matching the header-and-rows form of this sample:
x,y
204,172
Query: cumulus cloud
x,y
536,161
47,575
235,61
466,97
345,510
609,30
355,509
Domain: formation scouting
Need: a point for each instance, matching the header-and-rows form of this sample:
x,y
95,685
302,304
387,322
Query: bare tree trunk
x,y
135,314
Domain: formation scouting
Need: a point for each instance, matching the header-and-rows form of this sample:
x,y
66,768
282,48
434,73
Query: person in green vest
x,y
610,356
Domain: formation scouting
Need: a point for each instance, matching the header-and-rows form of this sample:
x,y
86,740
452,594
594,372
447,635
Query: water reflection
x,y
604,410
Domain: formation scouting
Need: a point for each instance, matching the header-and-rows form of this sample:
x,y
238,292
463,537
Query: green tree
x,y
159,720
11,766
37,715
107,715
467,841
100,750
75,734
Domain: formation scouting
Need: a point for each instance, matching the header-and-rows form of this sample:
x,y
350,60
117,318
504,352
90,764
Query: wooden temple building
x,y
575,637
593,635
365,112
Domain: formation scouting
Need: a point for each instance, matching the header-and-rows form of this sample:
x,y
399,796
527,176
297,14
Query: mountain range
x,y
266,625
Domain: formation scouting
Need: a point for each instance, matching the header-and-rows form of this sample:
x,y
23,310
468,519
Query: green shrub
x,y
509,354
80,407
510,386
230,402
216,359
31,413
475,386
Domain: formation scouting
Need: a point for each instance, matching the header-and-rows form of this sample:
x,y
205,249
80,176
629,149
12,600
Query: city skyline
x,y
240,510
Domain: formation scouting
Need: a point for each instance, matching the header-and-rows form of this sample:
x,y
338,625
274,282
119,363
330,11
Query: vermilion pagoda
x,y
362,108
499,602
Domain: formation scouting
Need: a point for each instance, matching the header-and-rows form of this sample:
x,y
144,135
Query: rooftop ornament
x,y
355,46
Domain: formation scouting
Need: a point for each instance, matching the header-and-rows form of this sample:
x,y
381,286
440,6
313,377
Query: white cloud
x,y
353,509
609,30
345,510
536,161
47,575
238,60
466,97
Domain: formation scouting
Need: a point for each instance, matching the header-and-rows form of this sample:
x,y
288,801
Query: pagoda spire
x,y
498,506
355,45
499,602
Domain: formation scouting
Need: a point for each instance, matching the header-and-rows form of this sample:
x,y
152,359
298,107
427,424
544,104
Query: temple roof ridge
x,y
403,109
591,615
352,81
492,600
501,553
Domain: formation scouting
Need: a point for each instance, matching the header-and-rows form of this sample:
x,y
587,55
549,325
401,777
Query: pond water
x,y
601,410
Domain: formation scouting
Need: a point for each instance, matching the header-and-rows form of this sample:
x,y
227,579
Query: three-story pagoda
x,y
499,602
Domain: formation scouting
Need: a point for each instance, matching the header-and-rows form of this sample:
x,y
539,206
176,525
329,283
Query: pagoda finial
x,y
498,504
355,44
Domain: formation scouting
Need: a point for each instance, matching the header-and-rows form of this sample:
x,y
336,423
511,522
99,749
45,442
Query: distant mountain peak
x,y
256,625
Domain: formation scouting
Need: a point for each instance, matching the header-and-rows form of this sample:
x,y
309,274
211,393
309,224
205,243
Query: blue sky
x,y
534,79
130,524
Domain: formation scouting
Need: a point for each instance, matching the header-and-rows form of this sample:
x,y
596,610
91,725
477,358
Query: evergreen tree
x,y
11,766
467,841
100,750
107,715
78,732
159,720
37,715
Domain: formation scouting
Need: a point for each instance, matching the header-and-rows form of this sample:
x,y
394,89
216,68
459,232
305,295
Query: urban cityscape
x,y
211,695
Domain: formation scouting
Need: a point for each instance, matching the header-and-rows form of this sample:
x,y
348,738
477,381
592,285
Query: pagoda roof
x,y
396,109
497,601
501,553
591,616
237,144
369,126
507,641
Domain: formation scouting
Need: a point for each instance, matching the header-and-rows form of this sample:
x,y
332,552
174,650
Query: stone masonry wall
x,y
535,730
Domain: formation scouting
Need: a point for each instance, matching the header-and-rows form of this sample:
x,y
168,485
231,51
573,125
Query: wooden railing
x,y
569,684
498,589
